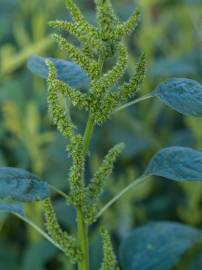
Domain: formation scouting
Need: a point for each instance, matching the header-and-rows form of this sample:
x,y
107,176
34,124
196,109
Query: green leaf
x,y
183,95
21,185
158,245
12,208
177,163
67,71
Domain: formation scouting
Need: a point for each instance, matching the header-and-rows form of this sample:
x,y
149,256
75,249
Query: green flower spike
x,y
57,113
99,87
77,98
127,27
66,242
74,30
79,19
76,175
97,183
89,65
109,260
128,90
107,19
96,186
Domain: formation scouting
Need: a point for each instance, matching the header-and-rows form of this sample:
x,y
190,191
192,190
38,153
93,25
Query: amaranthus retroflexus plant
x,y
97,44
106,95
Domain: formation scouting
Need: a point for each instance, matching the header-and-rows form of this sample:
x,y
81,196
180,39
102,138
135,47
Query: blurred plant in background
x,y
170,33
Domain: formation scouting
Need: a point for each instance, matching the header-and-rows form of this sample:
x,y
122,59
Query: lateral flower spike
x,y
77,56
107,18
74,30
77,196
109,259
128,90
110,78
127,27
57,113
79,19
97,183
107,106
75,96
66,242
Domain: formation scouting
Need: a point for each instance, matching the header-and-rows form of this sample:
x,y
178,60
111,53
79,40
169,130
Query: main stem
x,y
82,227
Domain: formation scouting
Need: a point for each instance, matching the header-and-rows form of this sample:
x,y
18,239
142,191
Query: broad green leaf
x,y
177,163
183,95
68,72
12,208
158,245
21,185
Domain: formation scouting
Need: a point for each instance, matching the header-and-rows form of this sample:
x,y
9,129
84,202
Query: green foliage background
x,y
170,33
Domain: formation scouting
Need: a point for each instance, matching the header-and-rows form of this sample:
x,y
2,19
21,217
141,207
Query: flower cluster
x,y
98,43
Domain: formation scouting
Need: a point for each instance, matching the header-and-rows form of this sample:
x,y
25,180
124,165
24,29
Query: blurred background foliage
x,y
170,33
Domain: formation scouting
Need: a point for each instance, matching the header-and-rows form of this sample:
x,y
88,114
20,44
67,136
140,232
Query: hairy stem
x,y
83,238
82,227
88,133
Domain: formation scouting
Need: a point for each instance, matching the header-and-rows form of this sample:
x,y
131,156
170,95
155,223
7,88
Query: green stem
x,y
82,227
83,238
88,134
